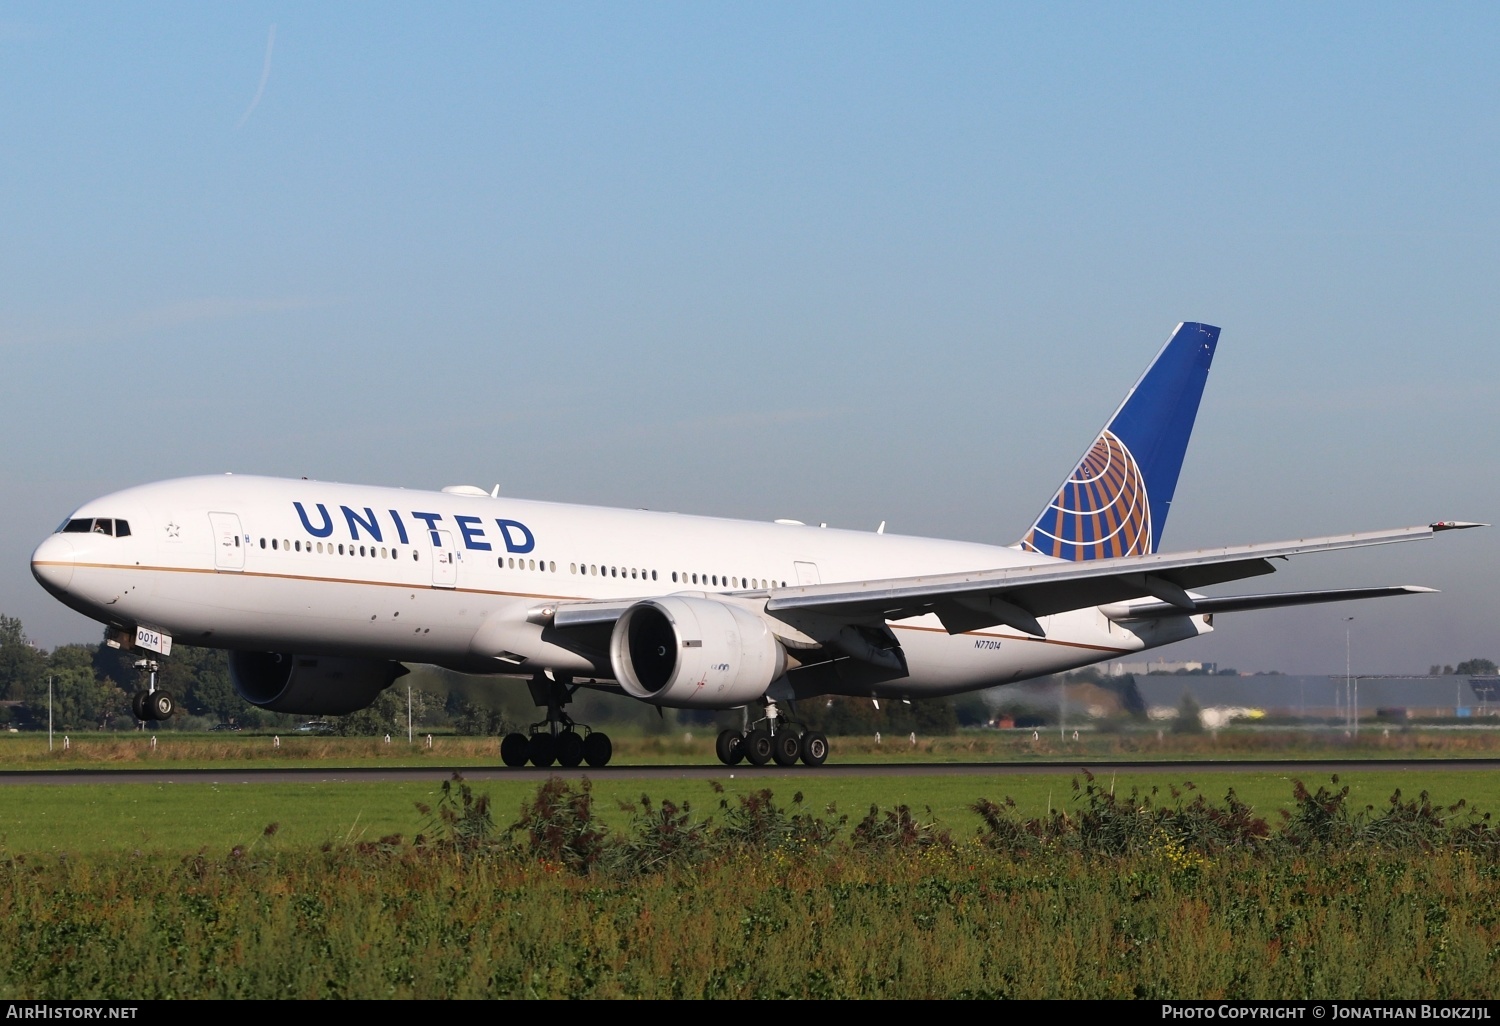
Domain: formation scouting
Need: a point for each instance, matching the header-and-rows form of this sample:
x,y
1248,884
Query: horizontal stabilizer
x,y
1241,603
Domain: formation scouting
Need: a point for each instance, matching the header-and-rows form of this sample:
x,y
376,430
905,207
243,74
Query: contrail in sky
x,y
265,73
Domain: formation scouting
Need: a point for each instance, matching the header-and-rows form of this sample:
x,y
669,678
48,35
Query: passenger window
x,y
262,543
273,544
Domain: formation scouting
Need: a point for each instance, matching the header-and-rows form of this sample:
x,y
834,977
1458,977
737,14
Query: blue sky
x,y
838,262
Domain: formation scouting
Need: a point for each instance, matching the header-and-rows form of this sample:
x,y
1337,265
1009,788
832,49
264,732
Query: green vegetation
x,y
1111,894
154,818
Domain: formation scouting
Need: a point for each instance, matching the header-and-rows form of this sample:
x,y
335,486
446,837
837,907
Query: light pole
x,y
1349,711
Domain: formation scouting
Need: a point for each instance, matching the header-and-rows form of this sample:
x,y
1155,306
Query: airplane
x,y
321,591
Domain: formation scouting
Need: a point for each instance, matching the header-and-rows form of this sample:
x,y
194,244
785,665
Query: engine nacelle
x,y
315,685
694,653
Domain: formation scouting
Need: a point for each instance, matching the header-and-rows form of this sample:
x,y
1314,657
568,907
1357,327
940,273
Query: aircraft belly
x,y
944,664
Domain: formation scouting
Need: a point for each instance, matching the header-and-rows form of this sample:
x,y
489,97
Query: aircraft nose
x,y
52,563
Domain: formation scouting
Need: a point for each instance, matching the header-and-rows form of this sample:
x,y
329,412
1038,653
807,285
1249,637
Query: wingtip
x,y
1417,589
1455,525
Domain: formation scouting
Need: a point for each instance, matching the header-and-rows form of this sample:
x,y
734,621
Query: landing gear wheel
x,y
759,747
514,750
569,749
159,705
786,747
542,750
814,747
597,749
730,747
138,705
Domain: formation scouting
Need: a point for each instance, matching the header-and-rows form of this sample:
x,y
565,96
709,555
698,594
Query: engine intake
x,y
694,653
315,685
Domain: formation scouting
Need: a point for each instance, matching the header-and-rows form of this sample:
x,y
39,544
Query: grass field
x,y
1124,903
129,817
186,818
145,890
133,750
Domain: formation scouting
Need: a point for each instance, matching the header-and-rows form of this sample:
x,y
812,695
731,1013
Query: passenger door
x,y
229,548
444,561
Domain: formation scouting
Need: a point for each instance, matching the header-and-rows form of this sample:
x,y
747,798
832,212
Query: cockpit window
x,y
96,525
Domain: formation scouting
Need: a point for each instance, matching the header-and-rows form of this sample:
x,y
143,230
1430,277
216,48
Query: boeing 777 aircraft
x,y
321,591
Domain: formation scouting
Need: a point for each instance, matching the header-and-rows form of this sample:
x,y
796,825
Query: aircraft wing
x,y
1019,596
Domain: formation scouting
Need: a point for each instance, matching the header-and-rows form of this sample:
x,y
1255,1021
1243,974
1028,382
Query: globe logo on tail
x,y
1102,510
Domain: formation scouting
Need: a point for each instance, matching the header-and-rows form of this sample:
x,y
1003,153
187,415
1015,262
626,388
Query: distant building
x,y
1324,697
1159,666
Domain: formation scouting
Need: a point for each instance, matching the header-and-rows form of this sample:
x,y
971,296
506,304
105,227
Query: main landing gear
x,y
772,738
557,738
152,703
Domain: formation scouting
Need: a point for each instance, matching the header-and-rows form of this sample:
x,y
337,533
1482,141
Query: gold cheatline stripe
x,y
320,580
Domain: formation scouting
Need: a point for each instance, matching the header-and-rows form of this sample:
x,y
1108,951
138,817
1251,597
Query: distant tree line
x,y
1467,668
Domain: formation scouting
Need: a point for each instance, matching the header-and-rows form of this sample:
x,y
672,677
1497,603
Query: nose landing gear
x,y
152,703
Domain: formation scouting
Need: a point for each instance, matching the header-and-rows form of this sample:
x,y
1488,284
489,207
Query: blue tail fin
x,y
1116,500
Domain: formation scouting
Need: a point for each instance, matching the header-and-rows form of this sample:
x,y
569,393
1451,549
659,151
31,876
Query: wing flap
x,y
1243,603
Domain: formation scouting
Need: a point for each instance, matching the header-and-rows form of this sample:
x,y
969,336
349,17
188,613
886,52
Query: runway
x,y
381,774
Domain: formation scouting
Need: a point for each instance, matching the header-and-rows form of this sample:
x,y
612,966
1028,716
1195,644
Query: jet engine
x,y
314,685
694,653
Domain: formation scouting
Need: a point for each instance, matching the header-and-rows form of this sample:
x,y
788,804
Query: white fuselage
x,y
437,577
